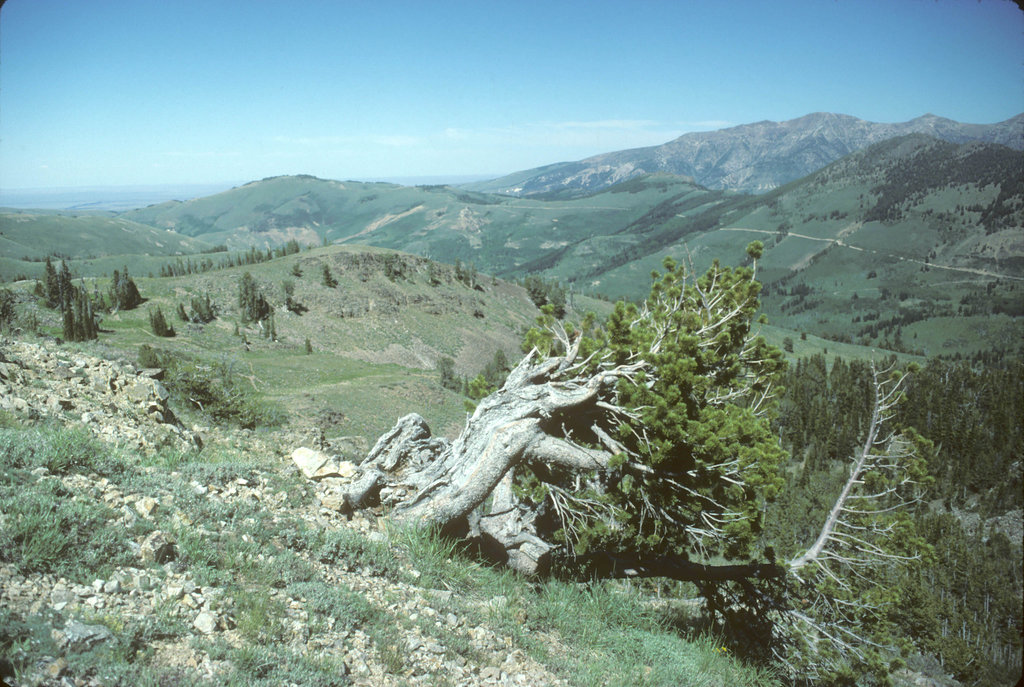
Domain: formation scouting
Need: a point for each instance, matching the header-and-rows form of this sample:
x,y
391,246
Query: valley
x,y
306,312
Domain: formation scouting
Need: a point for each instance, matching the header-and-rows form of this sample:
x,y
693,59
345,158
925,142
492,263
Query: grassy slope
x,y
35,234
823,237
498,234
376,341
832,266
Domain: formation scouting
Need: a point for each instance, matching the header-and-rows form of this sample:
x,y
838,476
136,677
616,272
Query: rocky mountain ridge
x,y
115,400
751,158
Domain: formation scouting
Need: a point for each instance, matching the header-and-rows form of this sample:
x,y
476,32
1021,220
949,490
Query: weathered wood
x,y
427,480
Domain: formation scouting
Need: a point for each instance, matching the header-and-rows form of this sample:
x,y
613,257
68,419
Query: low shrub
x,y
215,390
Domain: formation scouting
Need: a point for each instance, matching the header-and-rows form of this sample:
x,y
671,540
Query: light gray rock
x,y
317,465
157,548
78,634
145,506
205,622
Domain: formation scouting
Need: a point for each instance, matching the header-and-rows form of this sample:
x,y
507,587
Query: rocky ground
x,y
436,635
158,586
116,401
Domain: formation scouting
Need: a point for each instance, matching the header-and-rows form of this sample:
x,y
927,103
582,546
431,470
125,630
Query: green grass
x,y
47,528
34,234
590,634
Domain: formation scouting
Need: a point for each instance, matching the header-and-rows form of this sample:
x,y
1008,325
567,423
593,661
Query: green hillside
x,y
912,244
498,234
866,251
376,337
34,234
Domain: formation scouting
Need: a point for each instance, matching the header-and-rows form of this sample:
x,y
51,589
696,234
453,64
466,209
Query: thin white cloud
x,y
201,154
389,140
709,124
597,135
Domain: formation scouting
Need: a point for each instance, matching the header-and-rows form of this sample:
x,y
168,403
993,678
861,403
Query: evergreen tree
x,y
78,319
449,380
124,294
253,306
52,286
434,274
328,279
6,309
202,310
65,289
292,305
158,323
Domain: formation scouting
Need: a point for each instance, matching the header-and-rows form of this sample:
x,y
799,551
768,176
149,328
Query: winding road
x,y
840,242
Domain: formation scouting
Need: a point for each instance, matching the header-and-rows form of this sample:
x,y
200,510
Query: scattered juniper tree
x,y
6,310
643,448
78,319
158,323
253,306
465,273
434,274
448,377
51,285
270,328
202,310
544,292
288,288
124,294
328,279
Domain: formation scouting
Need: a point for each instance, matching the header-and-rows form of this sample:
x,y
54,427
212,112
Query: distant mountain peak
x,y
751,158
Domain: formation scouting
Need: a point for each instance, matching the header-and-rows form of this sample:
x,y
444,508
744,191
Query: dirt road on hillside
x,y
840,242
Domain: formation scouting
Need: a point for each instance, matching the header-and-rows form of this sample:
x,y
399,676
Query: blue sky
x,y
140,92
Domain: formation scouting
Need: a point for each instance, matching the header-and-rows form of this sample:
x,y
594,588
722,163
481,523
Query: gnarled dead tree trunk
x,y
428,480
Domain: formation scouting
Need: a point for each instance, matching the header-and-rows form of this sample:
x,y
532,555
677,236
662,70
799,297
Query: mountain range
x,y
912,232
752,158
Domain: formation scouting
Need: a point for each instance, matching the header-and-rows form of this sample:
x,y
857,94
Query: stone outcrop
x,y
115,400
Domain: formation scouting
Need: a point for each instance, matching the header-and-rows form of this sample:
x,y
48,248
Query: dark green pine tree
x,y
79,321
51,285
253,306
124,294
202,310
65,289
68,318
158,323
328,278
